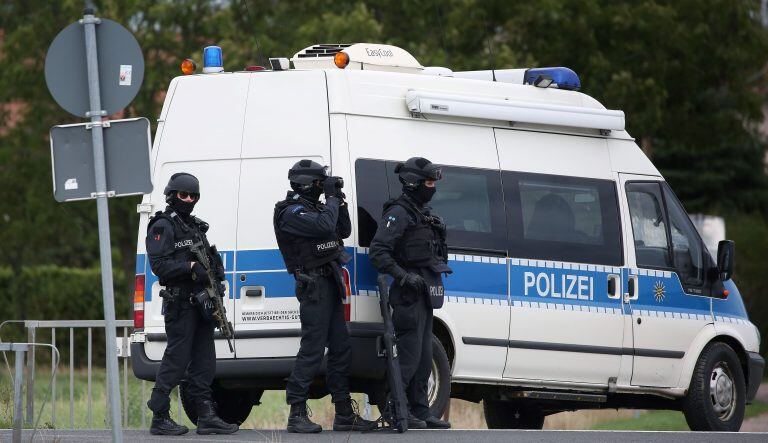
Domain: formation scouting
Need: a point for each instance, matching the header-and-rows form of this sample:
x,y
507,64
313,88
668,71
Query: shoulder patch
x,y
157,232
297,208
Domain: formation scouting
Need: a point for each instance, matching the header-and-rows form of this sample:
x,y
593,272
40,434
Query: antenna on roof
x,y
490,46
439,15
259,54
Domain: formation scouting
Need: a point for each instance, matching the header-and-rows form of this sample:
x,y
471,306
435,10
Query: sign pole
x,y
89,22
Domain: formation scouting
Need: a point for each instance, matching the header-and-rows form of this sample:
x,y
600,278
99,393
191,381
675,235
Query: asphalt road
x,y
456,435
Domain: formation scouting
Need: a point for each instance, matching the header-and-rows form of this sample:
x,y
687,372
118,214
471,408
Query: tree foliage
x,y
690,75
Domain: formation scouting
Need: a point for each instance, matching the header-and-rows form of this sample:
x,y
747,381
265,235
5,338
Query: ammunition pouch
x,y
205,305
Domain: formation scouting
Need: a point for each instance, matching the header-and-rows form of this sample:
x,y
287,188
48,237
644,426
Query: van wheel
x,y
716,396
501,414
232,406
439,384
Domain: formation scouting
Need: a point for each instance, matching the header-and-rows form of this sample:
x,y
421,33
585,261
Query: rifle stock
x,y
397,402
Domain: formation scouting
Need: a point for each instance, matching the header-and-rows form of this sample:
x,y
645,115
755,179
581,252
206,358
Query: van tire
x,y
232,406
718,369
441,368
500,414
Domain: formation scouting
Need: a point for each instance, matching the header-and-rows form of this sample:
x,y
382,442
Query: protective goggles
x,y
433,173
184,195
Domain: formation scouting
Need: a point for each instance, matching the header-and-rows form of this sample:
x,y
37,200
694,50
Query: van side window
x,y
469,201
372,192
563,218
687,250
649,225
471,204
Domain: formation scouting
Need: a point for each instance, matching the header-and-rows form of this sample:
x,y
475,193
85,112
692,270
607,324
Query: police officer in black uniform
x,y
309,235
190,346
410,246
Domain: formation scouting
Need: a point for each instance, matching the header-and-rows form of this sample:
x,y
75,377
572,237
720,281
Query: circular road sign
x,y
121,67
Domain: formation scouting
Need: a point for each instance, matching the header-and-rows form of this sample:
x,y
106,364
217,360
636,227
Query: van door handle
x,y
632,289
254,292
613,286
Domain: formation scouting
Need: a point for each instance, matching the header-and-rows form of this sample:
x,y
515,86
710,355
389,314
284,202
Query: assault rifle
x,y
212,294
396,411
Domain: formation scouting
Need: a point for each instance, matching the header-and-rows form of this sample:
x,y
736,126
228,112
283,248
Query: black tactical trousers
x,y
413,328
322,325
190,350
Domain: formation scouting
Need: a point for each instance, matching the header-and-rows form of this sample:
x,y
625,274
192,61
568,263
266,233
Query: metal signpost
x,y
112,70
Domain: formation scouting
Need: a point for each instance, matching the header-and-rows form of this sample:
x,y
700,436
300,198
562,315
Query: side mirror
x,y
725,253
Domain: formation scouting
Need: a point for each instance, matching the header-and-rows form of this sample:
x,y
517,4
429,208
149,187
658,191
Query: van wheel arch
x,y
737,347
443,334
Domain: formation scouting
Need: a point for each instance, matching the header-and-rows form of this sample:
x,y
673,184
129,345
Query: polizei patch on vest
x,y
181,244
327,245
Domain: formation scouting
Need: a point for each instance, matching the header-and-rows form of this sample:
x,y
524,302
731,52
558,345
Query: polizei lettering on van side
x,y
577,287
327,245
181,244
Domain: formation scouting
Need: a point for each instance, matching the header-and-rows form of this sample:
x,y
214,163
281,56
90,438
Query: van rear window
x,y
562,218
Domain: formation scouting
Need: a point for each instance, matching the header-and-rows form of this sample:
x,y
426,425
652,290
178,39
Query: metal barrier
x,y
34,332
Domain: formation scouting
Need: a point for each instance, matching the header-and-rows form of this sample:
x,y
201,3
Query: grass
x,y
273,412
668,420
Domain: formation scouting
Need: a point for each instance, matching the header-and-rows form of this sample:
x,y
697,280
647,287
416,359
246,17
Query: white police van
x,y
579,281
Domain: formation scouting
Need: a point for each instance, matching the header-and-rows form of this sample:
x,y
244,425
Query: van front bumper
x,y
756,366
364,363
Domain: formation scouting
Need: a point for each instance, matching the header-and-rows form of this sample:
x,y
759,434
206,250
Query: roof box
x,y
365,56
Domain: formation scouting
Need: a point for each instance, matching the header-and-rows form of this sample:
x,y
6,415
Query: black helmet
x,y
183,181
305,172
417,169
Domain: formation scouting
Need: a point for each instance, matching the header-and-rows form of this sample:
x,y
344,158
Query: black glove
x,y
332,186
198,272
413,280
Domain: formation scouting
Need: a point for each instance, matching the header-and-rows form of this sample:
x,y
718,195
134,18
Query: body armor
x,y
422,246
305,253
185,235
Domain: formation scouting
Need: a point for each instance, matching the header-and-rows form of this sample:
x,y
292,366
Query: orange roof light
x,y
341,60
188,66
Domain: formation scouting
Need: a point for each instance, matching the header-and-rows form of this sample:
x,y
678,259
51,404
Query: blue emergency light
x,y
564,78
212,59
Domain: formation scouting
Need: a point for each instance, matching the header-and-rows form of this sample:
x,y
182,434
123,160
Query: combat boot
x,y
163,424
436,423
299,422
348,419
210,423
415,422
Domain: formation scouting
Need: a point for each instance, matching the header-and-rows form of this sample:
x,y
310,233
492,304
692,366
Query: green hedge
x,y
56,293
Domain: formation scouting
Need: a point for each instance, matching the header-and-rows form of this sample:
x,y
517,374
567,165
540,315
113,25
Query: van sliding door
x,y
565,247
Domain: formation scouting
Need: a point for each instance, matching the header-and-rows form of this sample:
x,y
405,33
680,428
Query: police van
x,y
579,281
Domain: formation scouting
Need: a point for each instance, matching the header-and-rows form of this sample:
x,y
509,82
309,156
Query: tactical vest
x,y
185,235
421,246
304,253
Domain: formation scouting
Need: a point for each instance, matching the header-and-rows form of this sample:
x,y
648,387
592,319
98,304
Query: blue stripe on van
x,y
474,277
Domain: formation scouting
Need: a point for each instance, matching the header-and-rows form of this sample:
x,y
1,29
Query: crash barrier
x,y
51,332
